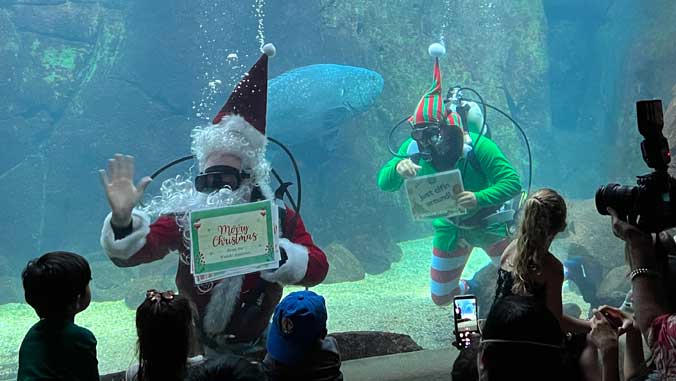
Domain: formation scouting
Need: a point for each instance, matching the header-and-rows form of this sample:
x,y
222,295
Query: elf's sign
x,y
435,196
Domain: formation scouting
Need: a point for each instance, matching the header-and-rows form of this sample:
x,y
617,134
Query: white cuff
x,y
293,271
129,245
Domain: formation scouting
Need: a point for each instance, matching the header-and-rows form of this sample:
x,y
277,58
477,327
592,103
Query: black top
x,y
322,364
505,282
58,350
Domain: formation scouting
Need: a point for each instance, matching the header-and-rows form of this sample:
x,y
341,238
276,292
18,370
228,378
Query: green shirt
x,y
496,183
58,350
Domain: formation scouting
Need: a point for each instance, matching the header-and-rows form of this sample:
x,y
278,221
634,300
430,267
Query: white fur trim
x,y
295,268
232,135
221,305
129,245
269,50
436,50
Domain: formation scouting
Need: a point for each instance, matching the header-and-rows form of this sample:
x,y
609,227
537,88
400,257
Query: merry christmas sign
x,y
435,196
234,240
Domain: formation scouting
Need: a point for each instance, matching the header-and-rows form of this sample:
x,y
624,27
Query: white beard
x,y
179,197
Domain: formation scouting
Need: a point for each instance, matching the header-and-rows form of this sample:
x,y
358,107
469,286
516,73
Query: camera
x,y
649,205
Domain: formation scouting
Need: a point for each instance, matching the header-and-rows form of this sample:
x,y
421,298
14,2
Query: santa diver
x,y
234,312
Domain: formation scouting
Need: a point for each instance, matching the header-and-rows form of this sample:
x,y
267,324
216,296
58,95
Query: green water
x,y
395,301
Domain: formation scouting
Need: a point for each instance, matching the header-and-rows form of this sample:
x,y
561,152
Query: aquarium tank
x,y
550,85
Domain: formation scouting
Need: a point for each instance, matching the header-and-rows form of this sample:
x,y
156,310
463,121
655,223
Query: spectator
x,y
165,328
527,267
298,348
56,285
521,340
654,316
229,367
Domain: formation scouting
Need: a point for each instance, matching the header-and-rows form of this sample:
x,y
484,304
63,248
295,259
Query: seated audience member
x,y
649,279
521,340
56,285
228,367
298,348
528,268
165,328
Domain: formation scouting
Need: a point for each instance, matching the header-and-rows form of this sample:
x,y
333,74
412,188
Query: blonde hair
x,y
544,216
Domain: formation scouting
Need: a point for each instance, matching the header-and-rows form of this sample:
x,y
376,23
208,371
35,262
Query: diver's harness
x,y
251,302
502,214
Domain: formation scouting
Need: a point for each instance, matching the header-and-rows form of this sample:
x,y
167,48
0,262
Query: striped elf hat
x,y
430,109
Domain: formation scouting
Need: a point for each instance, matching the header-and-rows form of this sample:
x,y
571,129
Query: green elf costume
x,y
486,173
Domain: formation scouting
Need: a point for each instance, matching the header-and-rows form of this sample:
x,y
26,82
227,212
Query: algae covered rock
x,y
356,345
592,236
343,265
614,287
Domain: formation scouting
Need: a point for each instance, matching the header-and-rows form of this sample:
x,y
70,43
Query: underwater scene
x,y
363,98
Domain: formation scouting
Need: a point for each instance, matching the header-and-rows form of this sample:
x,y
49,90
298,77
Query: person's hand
x,y
628,324
120,190
467,200
628,232
602,334
474,339
407,168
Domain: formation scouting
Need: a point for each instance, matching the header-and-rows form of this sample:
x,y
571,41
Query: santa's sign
x,y
435,196
234,240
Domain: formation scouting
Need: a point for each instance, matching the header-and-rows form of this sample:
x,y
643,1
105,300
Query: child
x,y
56,285
165,328
298,348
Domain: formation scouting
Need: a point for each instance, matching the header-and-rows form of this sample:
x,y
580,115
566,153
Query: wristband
x,y
642,271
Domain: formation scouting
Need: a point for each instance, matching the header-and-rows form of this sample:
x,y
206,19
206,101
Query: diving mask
x,y
426,134
218,177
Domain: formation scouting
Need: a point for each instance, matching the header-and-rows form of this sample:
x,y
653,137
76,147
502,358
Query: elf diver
x,y
439,143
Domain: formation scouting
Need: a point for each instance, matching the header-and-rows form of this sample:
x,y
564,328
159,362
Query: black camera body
x,y
650,204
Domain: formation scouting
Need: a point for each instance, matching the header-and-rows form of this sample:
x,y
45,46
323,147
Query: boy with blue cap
x,y
297,345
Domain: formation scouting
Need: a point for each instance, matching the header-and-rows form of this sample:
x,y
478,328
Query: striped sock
x,y
445,272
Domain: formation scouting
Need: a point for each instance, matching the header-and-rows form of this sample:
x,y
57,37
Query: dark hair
x,y
464,367
229,367
53,282
165,332
522,318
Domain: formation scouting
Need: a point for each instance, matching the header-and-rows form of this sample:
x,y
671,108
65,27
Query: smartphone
x,y
465,318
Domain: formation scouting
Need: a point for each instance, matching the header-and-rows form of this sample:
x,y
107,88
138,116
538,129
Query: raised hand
x,y
120,190
407,168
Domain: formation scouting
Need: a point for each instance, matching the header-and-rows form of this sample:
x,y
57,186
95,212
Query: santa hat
x,y
430,109
239,127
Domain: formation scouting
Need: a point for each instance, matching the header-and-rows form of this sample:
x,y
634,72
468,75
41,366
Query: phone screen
x,y
465,317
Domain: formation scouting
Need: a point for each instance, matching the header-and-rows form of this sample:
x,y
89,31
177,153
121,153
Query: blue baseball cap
x,y
298,322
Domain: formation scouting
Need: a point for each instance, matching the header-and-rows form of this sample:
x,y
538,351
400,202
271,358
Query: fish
x,y
308,105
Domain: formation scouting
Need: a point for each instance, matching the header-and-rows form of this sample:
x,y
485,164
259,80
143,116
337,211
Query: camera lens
x,y
622,198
